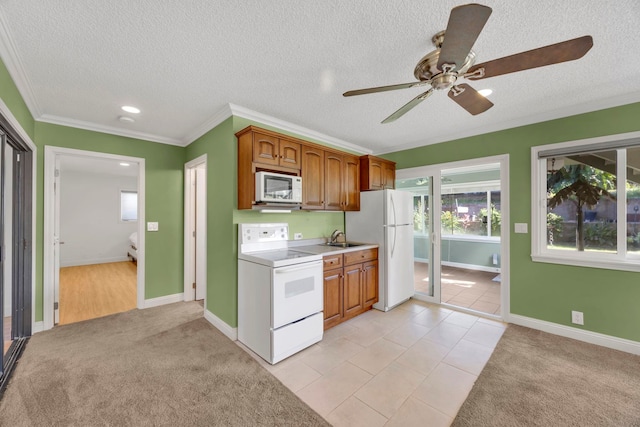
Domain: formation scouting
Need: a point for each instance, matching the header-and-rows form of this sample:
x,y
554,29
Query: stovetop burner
x,y
266,244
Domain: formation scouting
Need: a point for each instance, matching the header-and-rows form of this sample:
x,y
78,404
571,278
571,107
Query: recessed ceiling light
x,y
126,119
485,92
130,109
124,164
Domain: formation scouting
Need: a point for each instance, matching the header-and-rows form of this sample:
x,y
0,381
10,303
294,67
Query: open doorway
x,y
195,230
94,220
460,246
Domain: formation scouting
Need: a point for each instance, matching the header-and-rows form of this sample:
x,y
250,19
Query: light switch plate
x,y
152,226
521,227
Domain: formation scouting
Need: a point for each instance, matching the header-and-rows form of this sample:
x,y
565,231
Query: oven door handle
x,y
305,266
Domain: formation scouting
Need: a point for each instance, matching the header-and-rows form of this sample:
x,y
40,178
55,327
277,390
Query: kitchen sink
x,y
344,245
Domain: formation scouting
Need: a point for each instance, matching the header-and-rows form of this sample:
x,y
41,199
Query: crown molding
x,y
559,113
12,61
205,127
246,113
46,118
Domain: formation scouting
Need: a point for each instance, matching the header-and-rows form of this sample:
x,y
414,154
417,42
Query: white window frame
x,y
120,193
540,252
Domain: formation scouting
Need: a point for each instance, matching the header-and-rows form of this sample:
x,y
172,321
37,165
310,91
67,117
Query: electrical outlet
x,y
297,236
577,317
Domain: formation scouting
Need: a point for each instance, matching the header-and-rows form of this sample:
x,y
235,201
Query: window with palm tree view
x,y
592,202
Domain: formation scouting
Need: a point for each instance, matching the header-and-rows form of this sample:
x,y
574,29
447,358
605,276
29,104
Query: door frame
x,y
435,172
23,262
51,153
189,219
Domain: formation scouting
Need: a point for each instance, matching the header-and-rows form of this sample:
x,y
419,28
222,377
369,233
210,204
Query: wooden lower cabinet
x,y
350,285
333,285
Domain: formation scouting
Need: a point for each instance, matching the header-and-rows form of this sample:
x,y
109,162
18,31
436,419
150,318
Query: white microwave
x,y
278,188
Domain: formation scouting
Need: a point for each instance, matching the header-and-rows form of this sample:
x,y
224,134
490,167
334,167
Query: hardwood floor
x,y
90,291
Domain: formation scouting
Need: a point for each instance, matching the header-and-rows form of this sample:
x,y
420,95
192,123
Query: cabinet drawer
x,y
360,256
332,261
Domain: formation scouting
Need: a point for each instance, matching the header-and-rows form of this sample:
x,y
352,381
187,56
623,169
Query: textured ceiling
x,y
76,62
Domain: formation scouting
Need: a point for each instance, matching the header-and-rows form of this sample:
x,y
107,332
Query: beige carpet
x,y
538,379
159,366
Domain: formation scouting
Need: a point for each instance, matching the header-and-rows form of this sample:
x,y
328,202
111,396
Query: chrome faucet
x,y
335,235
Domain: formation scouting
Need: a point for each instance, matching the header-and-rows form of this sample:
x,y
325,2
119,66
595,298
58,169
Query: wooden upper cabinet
x,y
376,173
274,151
290,154
333,173
388,175
265,149
312,178
351,183
342,182
331,179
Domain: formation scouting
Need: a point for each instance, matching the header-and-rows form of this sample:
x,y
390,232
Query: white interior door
x,y
195,229
200,232
56,242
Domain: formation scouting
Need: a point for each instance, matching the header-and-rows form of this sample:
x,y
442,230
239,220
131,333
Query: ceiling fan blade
x,y
384,88
553,54
469,99
408,106
465,24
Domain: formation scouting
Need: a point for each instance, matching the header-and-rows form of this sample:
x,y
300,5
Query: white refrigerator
x,y
386,218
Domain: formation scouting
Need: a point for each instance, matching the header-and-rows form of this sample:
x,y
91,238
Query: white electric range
x,y
280,293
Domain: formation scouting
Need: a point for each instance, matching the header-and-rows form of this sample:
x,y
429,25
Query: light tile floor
x,y
411,366
474,289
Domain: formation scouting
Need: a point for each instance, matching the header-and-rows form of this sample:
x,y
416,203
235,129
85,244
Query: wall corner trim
x,y
167,299
221,325
37,327
603,340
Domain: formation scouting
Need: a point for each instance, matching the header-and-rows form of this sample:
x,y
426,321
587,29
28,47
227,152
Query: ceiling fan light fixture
x,y
485,92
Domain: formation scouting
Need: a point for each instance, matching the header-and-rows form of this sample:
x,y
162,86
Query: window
x,y
128,205
472,213
586,203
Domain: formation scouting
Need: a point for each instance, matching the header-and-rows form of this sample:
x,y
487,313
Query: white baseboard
x,y
93,261
461,265
221,325
167,299
615,343
37,327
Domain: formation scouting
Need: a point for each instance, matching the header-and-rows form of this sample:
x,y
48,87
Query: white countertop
x,y
319,247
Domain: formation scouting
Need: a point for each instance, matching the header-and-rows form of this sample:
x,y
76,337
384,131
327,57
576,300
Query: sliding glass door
x,y
458,233
15,247
423,243
470,224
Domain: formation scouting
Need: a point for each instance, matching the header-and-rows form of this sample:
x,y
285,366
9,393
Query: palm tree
x,y
582,185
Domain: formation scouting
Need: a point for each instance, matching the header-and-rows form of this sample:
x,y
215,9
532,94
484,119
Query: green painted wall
x,y
163,191
13,100
221,147
549,292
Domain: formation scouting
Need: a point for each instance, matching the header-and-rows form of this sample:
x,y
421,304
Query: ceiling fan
x,y
454,59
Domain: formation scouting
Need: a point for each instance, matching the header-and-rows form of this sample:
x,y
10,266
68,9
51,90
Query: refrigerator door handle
x,y
393,208
393,246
